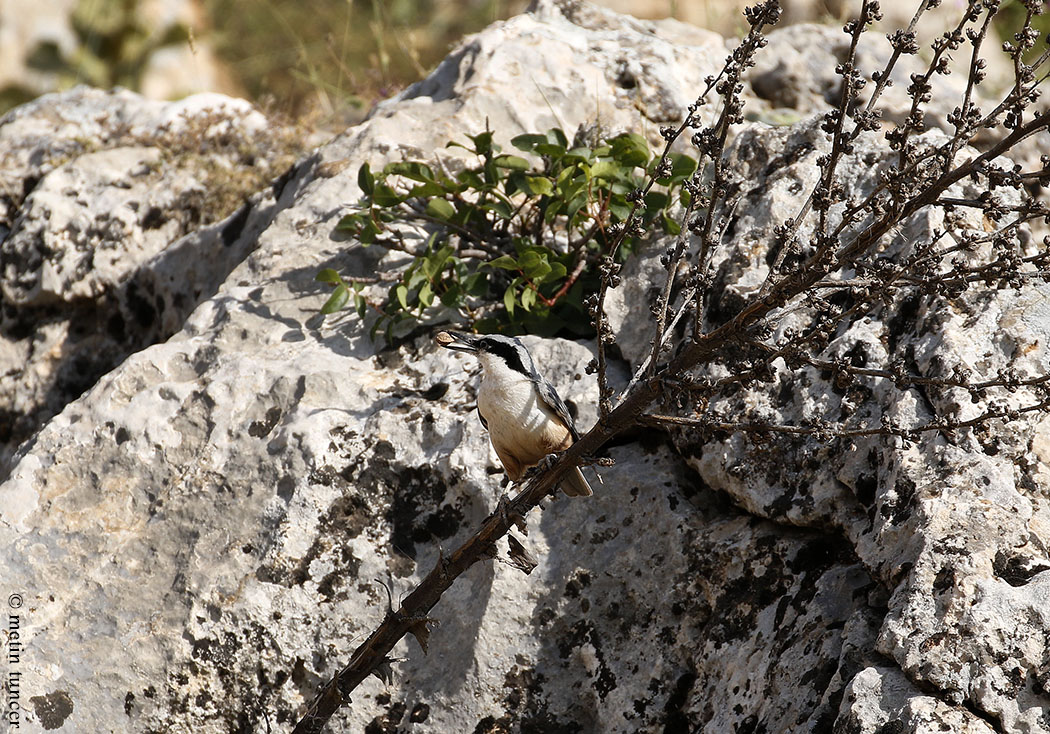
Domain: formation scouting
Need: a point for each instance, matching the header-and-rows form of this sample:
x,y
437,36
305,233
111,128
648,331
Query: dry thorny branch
x,y
839,259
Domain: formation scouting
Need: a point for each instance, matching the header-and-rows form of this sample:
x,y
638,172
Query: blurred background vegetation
x,y
335,58
323,63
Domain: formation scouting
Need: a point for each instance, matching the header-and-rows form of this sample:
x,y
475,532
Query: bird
x,y
523,413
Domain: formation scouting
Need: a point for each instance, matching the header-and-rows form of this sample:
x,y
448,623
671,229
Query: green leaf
x,y
410,169
529,142
475,284
385,196
508,298
426,190
350,223
482,143
513,162
528,298
441,257
670,225
328,276
402,295
656,200
620,208
426,295
470,178
450,298
417,275
570,187
359,305
514,183
630,149
365,179
539,185
440,209
609,170
584,155
576,203
337,300
369,232
500,207
534,265
556,136
504,261
552,150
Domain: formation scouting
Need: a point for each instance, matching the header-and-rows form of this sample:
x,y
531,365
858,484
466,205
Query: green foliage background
x,y
511,244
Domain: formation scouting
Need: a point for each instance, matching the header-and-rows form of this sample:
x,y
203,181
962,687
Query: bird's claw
x,y
549,460
542,465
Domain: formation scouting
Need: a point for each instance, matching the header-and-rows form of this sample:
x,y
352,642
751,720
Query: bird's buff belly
x,y
524,428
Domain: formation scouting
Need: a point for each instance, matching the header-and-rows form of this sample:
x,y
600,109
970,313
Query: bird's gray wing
x,y
550,396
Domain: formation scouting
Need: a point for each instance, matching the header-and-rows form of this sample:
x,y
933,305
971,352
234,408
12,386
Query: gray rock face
x,y
952,526
197,538
108,232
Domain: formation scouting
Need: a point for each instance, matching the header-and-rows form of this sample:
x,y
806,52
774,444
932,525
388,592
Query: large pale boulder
x,y
205,534
113,227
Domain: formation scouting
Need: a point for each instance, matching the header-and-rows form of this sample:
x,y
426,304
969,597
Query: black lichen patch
x,y
675,718
903,320
388,722
1016,570
898,510
153,218
527,709
944,580
581,633
52,709
420,713
229,680
347,517
819,554
259,429
577,583
867,484
743,598
492,725
416,513
332,585
435,391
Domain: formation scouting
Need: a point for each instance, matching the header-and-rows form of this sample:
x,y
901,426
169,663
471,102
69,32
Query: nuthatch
x,y
523,413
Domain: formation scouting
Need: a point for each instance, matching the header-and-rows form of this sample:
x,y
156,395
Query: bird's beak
x,y
456,341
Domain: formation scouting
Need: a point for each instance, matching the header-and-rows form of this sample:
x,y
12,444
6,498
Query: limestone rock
x,y
205,534
883,699
953,526
109,233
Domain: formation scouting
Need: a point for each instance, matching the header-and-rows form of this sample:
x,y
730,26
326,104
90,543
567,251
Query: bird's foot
x,y
541,466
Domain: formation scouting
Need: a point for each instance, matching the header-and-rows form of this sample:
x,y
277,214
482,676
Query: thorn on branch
x,y
418,629
520,558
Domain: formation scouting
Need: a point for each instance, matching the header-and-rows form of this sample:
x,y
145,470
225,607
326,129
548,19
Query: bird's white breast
x,y
517,418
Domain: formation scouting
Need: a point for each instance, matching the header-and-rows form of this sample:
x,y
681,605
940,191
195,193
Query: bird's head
x,y
493,350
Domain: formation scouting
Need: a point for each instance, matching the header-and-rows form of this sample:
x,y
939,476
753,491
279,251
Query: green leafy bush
x,y
510,244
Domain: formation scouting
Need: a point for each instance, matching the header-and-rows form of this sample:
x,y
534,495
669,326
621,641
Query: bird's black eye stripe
x,y
508,353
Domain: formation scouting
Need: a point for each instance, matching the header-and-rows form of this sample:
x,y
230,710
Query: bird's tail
x,y
575,484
